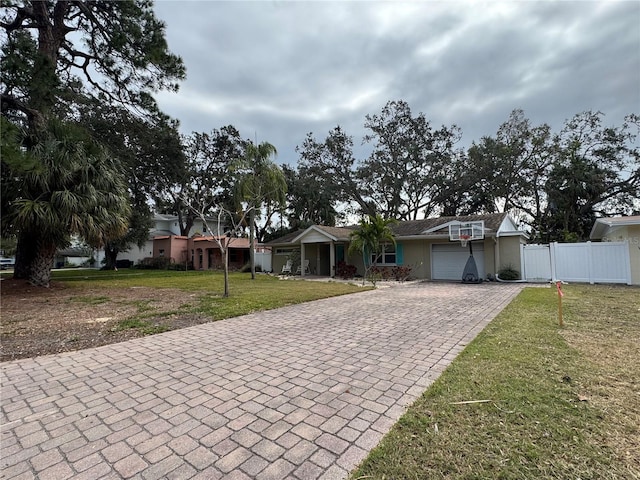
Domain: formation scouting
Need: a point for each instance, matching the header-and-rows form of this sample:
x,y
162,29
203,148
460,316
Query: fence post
x,y
590,266
628,257
552,256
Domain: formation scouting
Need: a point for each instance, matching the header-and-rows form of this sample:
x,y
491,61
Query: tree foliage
x,y
404,177
260,182
403,174
205,179
333,163
596,172
368,239
310,201
556,183
149,154
113,49
509,170
65,185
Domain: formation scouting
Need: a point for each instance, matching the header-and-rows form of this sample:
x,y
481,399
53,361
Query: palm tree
x,y
64,186
374,231
260,181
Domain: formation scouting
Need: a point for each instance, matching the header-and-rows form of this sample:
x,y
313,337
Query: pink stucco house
x,y
201,251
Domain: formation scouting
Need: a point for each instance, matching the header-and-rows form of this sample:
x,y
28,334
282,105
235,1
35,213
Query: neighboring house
x,y
621,229
165,225
201,251
421,244
74,256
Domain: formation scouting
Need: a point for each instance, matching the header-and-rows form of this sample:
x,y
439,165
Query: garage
x,y
448,260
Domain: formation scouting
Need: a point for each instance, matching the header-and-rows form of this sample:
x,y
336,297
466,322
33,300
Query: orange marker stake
x,y
560,295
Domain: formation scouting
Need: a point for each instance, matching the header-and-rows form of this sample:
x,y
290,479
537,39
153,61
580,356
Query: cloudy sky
x,y
278,69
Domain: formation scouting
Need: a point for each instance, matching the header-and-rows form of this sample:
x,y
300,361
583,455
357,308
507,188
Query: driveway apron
x,y
301,392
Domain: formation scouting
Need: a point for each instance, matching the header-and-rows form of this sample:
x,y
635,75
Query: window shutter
x,y
399,254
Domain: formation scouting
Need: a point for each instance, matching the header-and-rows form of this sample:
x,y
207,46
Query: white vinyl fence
x,y
606,262
263,259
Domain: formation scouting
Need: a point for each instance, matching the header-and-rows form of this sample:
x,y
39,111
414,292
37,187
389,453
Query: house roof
x,y
428,226
74,252
170,217
160,233
338,232
492,222
334,233
285,238
241,242
601,225
165,217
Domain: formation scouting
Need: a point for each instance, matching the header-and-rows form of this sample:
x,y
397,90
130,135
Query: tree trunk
x,y
226,270
185,227
25,252
252,239
41,265
110,256
45,81
364,263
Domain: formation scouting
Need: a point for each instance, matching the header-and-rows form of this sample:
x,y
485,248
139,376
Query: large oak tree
x,y
55,52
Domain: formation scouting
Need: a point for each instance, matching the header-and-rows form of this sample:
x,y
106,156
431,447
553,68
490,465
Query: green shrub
x,y
509,273
154,263
180,267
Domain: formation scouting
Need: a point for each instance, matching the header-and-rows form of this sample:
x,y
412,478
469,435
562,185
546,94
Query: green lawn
x,y
554,403
246,295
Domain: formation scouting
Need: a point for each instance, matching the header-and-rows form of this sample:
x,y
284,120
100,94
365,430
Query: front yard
x,y
526,399
88,308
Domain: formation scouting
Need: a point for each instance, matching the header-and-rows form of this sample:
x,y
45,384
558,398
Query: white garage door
x,y
448,260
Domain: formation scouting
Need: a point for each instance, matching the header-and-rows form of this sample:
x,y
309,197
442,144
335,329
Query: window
x,y
161,252
387,257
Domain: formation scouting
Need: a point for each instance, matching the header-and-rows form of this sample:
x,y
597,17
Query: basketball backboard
x,y
466,231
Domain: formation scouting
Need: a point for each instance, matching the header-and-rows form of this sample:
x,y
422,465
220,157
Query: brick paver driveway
x,y
300,392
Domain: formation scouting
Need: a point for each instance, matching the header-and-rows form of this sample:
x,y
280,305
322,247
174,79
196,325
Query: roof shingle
x,y
492,222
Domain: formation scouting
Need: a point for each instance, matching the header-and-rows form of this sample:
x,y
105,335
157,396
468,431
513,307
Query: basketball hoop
x,y
464,239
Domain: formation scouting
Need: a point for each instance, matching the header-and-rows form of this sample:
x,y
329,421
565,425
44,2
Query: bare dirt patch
x,y
37,321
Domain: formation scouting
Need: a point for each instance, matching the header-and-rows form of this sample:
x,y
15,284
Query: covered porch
x,y
320,247
206,254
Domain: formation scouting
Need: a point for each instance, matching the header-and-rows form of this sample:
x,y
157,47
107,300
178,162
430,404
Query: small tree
x,y
223,239
260,181
369,238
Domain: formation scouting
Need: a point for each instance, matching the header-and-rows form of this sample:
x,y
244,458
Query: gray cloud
x,y
281,69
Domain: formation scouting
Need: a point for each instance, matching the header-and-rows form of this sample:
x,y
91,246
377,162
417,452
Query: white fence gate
x,y
606,262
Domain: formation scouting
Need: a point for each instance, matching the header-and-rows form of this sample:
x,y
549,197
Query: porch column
x,y
196,259
332,259
205,258
302,259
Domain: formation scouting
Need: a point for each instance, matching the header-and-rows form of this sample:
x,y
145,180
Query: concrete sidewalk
x,y
301,392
